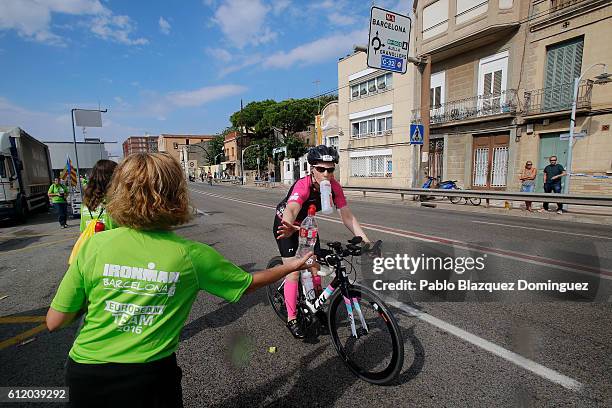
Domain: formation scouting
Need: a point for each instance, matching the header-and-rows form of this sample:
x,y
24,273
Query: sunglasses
x,y
322,169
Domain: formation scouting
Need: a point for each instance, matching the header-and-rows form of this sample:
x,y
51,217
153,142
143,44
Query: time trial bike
x,y
364,331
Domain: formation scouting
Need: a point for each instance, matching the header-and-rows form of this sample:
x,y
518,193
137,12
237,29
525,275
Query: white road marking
x,y
543,229
493,348
486,345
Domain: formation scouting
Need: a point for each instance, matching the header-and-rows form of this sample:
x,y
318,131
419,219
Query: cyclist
x,y
137,284
210,178
293,209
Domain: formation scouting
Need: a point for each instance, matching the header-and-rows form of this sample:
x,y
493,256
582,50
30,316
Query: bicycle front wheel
x,y
475,200
275,292
376,354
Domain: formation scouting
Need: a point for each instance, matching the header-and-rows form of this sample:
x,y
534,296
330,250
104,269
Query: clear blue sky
x,y
166,67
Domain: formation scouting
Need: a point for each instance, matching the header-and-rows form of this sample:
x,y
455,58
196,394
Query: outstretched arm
x,y
351,223
268,276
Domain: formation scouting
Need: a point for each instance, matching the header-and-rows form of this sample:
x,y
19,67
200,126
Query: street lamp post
x,y
242,163
602,78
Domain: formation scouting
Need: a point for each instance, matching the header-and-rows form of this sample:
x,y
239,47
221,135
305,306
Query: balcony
x,y
476,107
557,99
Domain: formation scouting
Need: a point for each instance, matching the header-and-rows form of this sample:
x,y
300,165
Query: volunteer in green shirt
x,y
57,194
94,196
137,284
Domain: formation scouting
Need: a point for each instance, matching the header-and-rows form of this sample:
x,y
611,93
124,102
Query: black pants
x,y
288,246
553,188
62,211
148,385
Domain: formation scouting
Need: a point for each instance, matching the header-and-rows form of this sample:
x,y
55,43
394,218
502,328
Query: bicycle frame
x,y
340,282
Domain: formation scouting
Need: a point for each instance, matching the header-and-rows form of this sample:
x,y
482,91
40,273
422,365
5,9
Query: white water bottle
x,y
307,284
326,197
308,238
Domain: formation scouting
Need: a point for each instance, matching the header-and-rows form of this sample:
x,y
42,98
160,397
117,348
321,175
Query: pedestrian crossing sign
x,y
416,134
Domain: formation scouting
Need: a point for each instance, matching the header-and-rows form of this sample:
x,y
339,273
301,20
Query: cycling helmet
x,y
323,154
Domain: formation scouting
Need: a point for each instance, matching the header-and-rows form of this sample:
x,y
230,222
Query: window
x,y
2,168
378,165
435,19
468,9
305,166
381,126
563,65
187,142
175,145
372,125
436,96
492,83
371,86
333,141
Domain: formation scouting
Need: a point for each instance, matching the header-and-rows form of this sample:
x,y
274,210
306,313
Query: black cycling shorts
x,y
288,246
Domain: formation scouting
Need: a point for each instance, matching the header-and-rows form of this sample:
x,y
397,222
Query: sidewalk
x,y
573,213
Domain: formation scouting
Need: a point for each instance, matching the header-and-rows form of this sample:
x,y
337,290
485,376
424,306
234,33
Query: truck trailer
x,y
25,174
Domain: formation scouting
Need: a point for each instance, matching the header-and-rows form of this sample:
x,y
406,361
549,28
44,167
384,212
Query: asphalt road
x,y
462,348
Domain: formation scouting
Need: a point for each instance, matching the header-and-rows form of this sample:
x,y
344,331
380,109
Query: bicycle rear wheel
x,y
275,292
377,354
455,200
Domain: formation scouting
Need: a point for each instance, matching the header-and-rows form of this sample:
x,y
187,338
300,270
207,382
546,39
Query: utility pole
x,y
423,164
318,96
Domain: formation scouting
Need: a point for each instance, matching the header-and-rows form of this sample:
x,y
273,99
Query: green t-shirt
x,y
86,217
56,189
138,288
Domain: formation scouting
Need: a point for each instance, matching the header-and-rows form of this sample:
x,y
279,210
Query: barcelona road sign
x,y
389,40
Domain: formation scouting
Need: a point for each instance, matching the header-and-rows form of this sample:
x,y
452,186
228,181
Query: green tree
x,y
250,117
295,147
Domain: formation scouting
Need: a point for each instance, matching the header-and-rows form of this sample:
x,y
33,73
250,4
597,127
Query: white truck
x,y
25,174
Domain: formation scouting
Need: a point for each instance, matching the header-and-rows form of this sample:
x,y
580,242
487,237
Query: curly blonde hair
x,y
148,191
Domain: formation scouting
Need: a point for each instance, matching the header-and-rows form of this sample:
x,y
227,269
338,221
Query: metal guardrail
x,y
604,201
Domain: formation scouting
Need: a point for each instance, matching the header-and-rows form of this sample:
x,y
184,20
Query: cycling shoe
x,y
295,329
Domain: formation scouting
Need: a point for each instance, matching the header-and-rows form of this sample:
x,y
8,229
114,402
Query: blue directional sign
x,y
417,133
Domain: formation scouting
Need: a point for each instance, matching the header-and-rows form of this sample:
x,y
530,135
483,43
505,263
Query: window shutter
x,y
497,81
563,65
487,83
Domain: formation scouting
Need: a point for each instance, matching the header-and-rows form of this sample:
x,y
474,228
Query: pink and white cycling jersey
x,y
304,193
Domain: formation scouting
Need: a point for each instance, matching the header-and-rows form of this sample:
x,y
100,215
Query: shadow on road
x,y
320,385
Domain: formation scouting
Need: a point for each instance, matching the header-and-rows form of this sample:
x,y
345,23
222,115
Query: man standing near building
x,y
552,181
57,194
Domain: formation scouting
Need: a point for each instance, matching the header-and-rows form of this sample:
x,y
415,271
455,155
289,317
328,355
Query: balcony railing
x,y
471,108
557,98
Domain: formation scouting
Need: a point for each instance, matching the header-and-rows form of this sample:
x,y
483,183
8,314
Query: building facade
x,y
373,125
140,144
566,38
173,144
501,83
